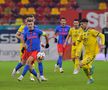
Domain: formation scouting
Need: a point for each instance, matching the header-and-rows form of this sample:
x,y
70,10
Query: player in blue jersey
x,y
61,31
40,66
22,29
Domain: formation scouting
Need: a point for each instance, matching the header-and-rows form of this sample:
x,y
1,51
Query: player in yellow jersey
x,y
91,48
74,34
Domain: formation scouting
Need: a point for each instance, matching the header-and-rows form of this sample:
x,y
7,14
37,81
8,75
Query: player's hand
x,y
47,45
102,47
55,40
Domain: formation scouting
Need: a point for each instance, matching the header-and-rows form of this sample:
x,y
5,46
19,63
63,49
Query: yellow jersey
x,y
74,33
89,38
21,28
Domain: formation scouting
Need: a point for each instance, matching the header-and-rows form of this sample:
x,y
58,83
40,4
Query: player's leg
x,y
31,75
21,53
59,61
18,71
21,63
77,54
29,62
88,68
73,59
40,68
27,68
18,66
32,70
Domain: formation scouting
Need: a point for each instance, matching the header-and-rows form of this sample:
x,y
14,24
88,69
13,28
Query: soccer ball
x,y
40,55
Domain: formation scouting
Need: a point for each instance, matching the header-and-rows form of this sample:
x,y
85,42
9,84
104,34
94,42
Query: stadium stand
x,y
46,12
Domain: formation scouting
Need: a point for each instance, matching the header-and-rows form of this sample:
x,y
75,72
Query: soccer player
x,y
91,48
22,29
62,32
74,34
32,40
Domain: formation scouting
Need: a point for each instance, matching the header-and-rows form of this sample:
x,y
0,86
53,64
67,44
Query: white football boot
x,y
56,67
32,78
61,70
43,78
13,72
20,78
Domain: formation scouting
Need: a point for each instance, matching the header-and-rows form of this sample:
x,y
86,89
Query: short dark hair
x,y
30,15
84,20
76,20
62,18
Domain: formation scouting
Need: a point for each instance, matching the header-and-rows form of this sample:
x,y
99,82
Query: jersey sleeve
x,y
95,32
24,36
56,30
70,32
40,32
98,34
21,28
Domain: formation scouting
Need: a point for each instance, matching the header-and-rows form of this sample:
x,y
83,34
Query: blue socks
x,y
40,67
59,61
19,65
33,72
26,68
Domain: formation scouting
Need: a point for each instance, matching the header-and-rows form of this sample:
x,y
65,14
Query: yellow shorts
x,y
76,51
88,60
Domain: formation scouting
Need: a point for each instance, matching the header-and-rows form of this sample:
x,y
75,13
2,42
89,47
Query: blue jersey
x,y
62,33
32,39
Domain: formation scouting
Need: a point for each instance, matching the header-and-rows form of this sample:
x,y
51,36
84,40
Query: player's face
x,y
30,24
63,22
84,25
76,24
30,18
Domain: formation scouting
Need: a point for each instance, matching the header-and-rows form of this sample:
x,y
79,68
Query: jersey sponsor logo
x,y
63,33
31,37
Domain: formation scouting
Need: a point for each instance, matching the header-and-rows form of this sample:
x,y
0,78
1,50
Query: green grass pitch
x,y
56,81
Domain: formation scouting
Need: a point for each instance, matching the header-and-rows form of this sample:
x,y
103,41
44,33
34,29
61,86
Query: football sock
x,y
33,72
31,75
60,61
87,72
26,68
76,65
40,67
19,65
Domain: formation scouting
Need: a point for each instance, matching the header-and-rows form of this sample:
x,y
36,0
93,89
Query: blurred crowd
x,y
45,11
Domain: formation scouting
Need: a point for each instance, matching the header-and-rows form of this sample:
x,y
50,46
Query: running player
x,y
74,34
32,40
91,48
62,32
21,30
